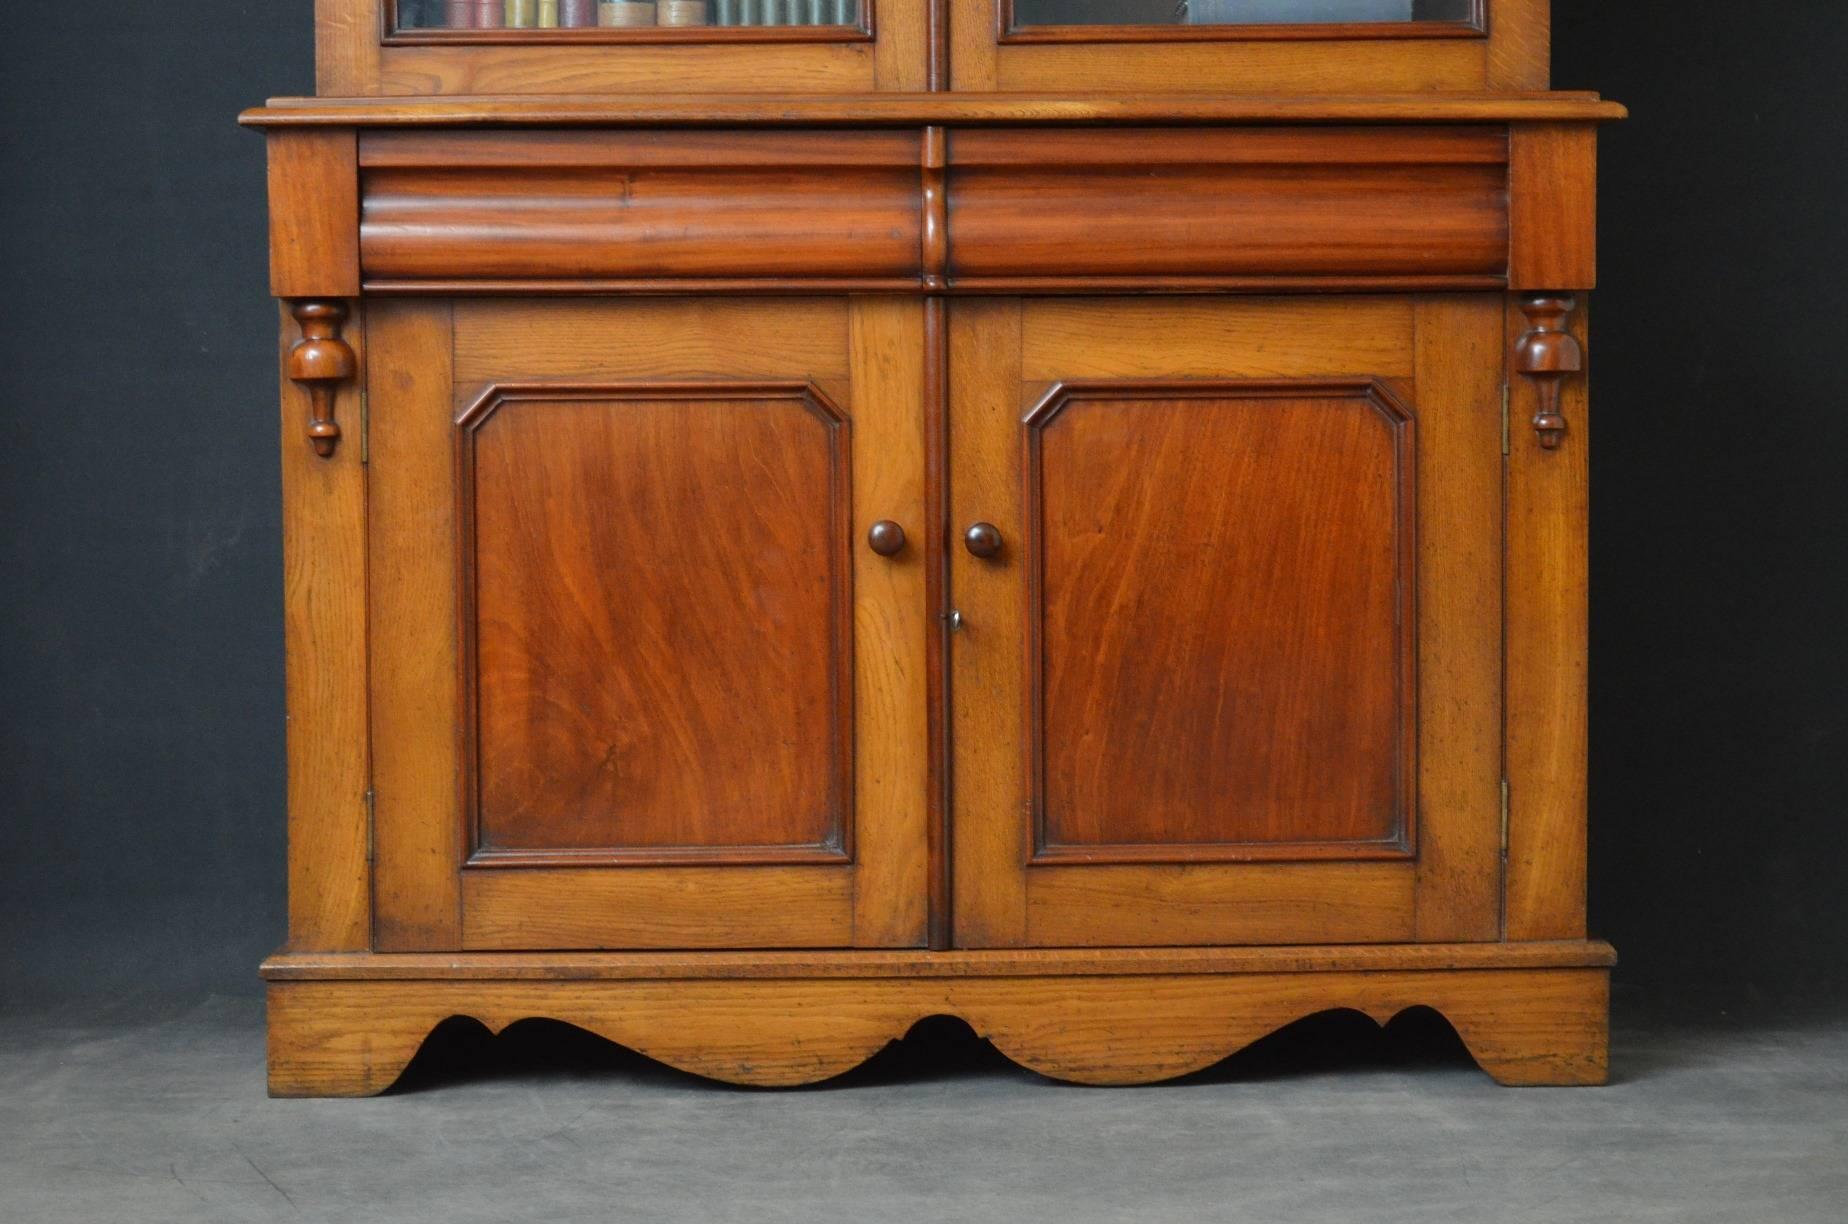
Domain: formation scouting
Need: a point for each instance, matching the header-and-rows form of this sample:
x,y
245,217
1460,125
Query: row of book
x,y
572,14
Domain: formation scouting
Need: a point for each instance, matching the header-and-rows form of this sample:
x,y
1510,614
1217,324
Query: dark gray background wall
x,y
141,763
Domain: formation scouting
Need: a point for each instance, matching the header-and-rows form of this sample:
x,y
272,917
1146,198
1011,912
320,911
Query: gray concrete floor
x,y
1330,1121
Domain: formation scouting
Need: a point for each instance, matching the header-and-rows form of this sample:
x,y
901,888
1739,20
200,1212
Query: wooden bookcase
x,y
795,527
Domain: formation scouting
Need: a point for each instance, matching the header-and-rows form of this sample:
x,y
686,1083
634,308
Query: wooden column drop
x,y
1548,354
319,363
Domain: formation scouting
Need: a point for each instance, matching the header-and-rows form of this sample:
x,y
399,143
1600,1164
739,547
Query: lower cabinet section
x,y
751,677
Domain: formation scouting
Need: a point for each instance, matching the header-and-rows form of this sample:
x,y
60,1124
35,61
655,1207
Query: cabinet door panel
x,y
1193,543
660,653
620,695
1234,677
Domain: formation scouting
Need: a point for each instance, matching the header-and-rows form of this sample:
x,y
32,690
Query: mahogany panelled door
x,y
799,518
1248,621
633,686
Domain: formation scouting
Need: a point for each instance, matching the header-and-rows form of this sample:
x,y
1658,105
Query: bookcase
x,y
802,516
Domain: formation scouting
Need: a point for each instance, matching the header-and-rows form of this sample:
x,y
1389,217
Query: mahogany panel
x,y
1220,620
656,591
659,204
1228,202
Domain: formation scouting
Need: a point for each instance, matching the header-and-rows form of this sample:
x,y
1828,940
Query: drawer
x,y
620,206
1260,203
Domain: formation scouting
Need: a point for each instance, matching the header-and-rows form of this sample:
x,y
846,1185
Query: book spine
x,y
459,14
548,14
724,12
625,13
577,13
490,14
681,12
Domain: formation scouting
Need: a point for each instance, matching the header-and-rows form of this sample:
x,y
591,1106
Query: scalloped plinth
x,y
354,1036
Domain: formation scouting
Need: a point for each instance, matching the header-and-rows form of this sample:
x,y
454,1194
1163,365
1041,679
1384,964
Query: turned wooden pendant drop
x,y
1547,354
320,362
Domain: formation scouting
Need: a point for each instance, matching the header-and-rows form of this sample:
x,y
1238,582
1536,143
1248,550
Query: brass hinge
x,y
372,799
1507,395
1504,818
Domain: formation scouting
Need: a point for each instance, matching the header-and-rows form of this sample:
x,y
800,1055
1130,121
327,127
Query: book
x,y
626,13
681,12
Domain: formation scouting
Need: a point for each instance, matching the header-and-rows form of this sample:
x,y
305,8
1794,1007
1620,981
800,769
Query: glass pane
x,y
1236,12
584,14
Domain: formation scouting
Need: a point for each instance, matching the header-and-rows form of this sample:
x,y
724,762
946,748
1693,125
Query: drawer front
x,y
639,205
1243,202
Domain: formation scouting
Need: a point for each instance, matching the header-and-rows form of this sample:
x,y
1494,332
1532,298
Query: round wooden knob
x,y
886,538
983,540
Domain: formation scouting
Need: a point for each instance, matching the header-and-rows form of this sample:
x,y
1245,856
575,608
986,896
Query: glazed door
x,y
1229,581
639,681
1254,46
